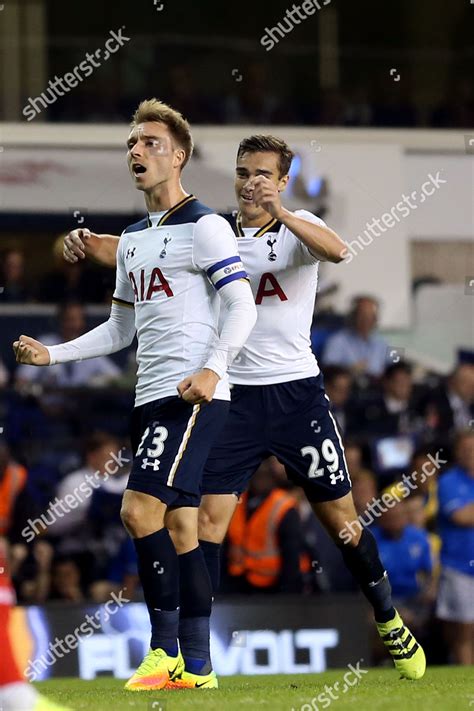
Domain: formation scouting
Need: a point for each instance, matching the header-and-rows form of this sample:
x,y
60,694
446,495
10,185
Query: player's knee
x,y
138,519
211,527
183,534
130,515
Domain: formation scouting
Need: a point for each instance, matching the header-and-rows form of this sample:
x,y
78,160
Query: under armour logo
x,y
272,256
166,240
131,252
154,464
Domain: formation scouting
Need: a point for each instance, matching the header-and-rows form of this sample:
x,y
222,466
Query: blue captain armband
x,y
230,269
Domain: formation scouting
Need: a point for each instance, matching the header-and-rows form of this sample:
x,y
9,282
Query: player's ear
x,y
179,157
283,182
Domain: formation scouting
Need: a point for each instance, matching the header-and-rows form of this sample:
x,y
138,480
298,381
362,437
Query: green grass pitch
x,y
441,689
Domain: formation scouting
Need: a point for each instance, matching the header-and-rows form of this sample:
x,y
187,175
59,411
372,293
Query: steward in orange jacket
x,y
12,483
265,542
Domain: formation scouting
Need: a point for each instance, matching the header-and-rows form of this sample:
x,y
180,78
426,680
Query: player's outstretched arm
x,y
83,243
113,335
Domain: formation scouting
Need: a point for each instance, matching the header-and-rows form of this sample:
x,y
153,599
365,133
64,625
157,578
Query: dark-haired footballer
x,y
279,406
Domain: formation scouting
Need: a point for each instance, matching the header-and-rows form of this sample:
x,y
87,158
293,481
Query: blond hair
x,y
155,110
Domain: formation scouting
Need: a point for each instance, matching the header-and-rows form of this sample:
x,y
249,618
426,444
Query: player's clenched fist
x,y
31,352
80,243
199,388
266,195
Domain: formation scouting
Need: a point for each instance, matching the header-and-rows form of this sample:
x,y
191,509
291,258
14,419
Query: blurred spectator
x,y
121,573
66,583
427,485
456,589
451,407
338,383
265,538
15,502
390,412
81,536
359,347
4,375
13,282
89,372
406,554
73,282
354,458
416,511
32,566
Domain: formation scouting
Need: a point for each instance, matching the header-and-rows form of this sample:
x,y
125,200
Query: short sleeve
x,y
123,294
215,251
306,215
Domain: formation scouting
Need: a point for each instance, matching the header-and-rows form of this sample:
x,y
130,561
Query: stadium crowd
x,y
409,440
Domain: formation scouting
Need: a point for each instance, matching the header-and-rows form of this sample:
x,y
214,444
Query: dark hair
x,y
332,372
155,110
268,144
394,368
97,440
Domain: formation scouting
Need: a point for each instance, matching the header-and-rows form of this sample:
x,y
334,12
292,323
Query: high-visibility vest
x,y
253,542
13,481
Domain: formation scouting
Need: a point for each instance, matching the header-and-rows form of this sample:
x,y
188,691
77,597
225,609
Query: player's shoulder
x,y
231,219
137,226
190,210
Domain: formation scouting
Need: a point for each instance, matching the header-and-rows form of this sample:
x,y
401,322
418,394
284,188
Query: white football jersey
x,y
169,269
284,277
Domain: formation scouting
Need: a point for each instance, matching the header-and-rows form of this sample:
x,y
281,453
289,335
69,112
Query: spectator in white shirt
x,y
359,347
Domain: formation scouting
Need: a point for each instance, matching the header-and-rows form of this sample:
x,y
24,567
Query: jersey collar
x,y
172,210
261,230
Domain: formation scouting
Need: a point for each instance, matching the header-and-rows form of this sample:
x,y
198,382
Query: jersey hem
x,y
273,379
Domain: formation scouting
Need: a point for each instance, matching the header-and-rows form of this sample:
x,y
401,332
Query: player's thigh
x,y
215,514
305,438
175,443
241,446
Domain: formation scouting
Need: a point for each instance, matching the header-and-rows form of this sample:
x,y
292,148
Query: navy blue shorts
x,y
289,420
171,440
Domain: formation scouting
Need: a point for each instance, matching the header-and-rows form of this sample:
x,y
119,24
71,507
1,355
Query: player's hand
x,y
80,244
266,195
200,387
31,352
